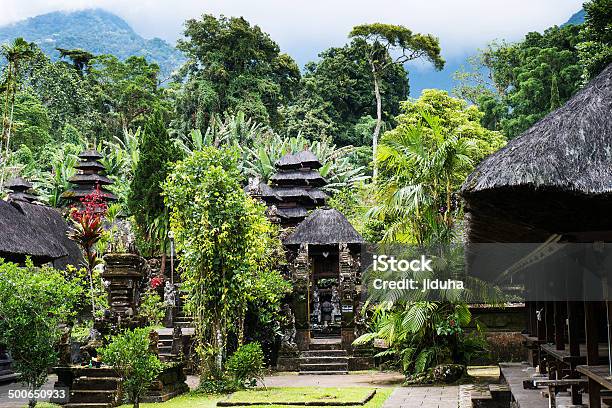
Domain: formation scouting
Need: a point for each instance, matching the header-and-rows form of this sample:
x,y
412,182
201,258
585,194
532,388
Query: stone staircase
x,y
182,320
325,356
94,388
165,346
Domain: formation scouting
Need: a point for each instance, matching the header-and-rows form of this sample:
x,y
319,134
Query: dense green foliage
x,y
232,66
224,237
145,202
246,365
33,303
423,162
421,335
130,356
527,79
96,31
596,50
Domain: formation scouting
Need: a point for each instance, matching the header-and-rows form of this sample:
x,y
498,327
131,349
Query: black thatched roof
x,y
18,184
288,161
21,236
90,154
308,159
324,226
89,179
298,178
53,223
556,178
303,159
569,150
291,213
89,165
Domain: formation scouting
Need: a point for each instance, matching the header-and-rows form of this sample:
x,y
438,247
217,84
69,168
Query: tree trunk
x,y
378,119
219,356
136,402
162,266
32,402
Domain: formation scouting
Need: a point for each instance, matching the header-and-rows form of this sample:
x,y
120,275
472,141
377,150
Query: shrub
x,y
33,303
245,366
152,307
129,354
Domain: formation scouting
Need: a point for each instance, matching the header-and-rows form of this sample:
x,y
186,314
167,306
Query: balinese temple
x,y
295,188
30,229
89,176
551,189
324,253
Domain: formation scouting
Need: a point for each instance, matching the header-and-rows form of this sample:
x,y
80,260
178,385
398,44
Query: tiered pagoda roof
x,y
20,190
89,177
294,189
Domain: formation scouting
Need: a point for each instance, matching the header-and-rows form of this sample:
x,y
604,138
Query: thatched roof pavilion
x,y
555,178
34,230
324,226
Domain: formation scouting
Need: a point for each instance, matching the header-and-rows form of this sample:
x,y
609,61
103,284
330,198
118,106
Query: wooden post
x,y
573,285
592,349
549,321
559,312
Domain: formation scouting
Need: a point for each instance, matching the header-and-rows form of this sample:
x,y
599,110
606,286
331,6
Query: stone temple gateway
x,y
322,317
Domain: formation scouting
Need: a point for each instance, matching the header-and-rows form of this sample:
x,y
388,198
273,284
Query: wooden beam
x,y
559,318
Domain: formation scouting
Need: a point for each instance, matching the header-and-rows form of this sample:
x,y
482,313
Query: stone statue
x,y
169,295
288,340
335,300
316,305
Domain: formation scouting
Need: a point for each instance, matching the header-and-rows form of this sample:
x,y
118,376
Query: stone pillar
x,y
122,277
301,277
348,277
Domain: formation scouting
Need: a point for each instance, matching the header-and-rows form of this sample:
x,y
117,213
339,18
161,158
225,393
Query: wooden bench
x,y
554,384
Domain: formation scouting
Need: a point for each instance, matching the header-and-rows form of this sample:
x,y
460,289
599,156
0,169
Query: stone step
x,y
325,346
500,392
324,360
95,383
8,377
94,372
88,405
324,367
95,396
323,372
324,353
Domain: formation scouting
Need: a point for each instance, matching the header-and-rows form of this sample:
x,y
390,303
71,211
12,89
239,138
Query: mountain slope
x,y
577,18
96,31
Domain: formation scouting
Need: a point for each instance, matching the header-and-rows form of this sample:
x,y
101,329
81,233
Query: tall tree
x,y
336,94
15,54
219,232
233,66
145,201
385,40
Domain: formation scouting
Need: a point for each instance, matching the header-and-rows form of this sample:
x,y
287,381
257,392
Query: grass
x,y
196,400
302,394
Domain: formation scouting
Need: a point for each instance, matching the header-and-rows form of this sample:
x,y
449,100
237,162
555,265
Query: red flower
x,y
156,282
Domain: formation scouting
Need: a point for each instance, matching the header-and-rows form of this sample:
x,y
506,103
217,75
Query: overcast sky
x,y
304,27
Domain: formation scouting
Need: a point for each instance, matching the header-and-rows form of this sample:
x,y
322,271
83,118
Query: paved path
x,y
424,397
362,379
5,402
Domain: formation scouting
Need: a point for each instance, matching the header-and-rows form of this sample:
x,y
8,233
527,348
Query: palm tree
x,y
17,52
420,170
